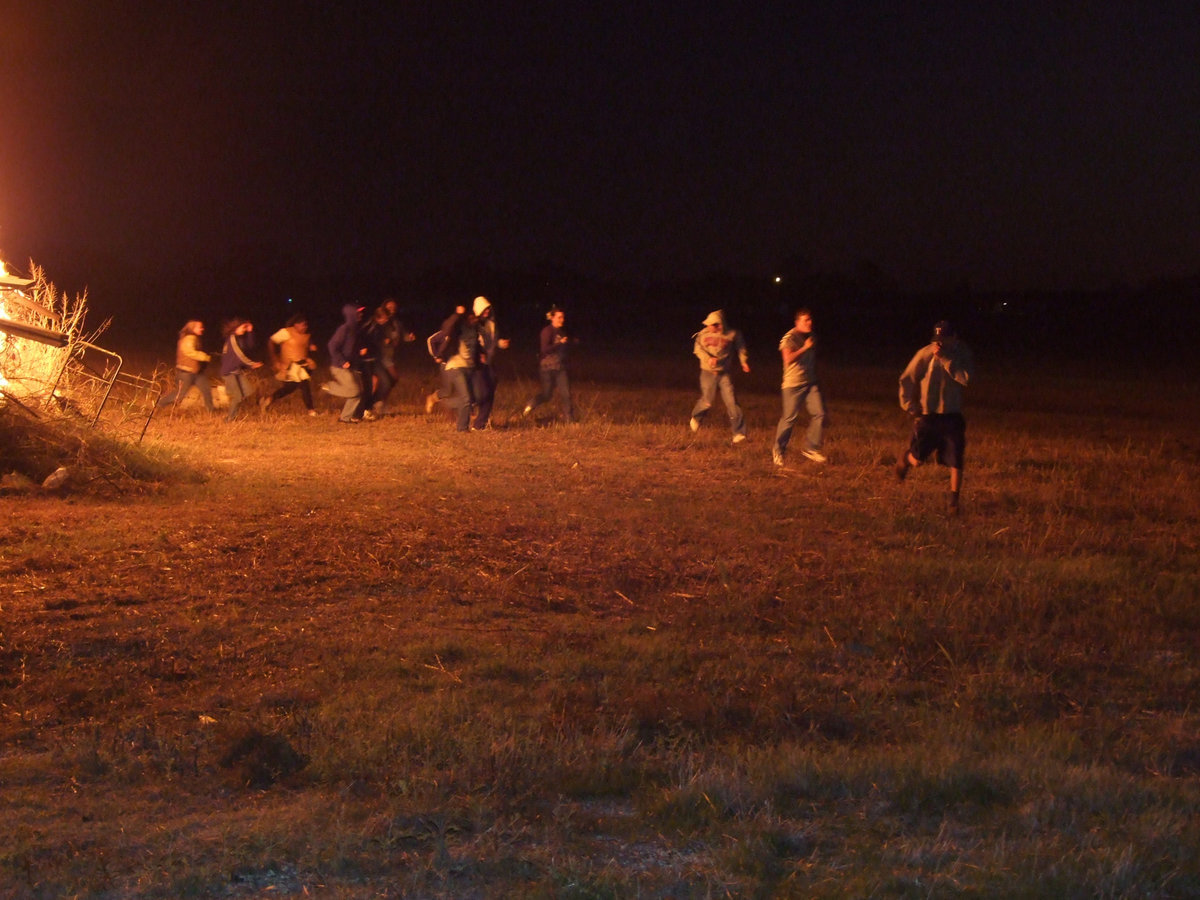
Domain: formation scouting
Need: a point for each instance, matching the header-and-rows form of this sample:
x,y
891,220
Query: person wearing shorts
x,y
931,391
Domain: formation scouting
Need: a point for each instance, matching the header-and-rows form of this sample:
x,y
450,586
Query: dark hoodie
x,y
345,339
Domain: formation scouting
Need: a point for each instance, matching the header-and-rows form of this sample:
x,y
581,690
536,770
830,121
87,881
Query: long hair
x,y
232,325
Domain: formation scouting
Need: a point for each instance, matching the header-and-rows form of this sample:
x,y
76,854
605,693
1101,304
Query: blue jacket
x,y
233,362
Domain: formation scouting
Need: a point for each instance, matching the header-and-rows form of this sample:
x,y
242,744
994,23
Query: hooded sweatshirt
x,y
716,350
341,345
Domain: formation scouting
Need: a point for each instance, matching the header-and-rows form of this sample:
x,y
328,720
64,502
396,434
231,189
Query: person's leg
x,y
236,391
366,390
564,395
345,384
787,419
737,421
204,385
170,399
814,405
459,398
306,394
546,391
914,453
384,382
708,393
185,380
282,391
956,449
485,395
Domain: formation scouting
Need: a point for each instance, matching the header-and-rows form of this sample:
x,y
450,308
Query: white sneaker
x,y
776,456
815,455
369,416
694,424
738,438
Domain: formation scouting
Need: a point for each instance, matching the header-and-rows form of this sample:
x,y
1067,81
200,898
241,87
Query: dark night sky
x,y
1011,144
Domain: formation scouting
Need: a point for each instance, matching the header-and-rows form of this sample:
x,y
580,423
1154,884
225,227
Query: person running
x,y
386,332
931,391
438,345
236,362
189,367
485,373
377,341
344,381
716,347
552,366
461,355
291,349
800,390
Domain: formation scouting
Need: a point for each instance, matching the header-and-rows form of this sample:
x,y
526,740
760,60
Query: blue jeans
x,y
554,381
238,388
808,397
709,383
457,395
188,380
483,385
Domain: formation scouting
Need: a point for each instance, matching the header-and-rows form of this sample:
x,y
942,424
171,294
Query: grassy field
x,y
616,659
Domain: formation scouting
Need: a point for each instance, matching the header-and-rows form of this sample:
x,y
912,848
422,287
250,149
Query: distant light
x,y
778,279
289,299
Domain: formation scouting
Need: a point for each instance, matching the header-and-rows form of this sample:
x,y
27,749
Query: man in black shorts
x,y
931,390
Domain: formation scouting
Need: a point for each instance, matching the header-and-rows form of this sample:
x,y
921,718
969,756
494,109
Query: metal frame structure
x,y
104,376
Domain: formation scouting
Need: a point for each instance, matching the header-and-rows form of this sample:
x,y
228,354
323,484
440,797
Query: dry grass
x,y
614,659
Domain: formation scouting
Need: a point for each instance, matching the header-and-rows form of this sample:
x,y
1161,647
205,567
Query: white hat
x,y
481,303
716,317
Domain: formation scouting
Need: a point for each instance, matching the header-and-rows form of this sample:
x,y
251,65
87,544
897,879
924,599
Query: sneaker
x,y
369,416
776,456
430,402
738,438
349,421
527,410
694,424
902,469
815,455
313,413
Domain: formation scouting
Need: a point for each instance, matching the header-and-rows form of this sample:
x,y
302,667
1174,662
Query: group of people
x,y
465,349
931,392
362,366
362,363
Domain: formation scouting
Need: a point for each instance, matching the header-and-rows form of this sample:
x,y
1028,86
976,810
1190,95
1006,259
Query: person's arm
x,y
191,349
742,353
910,385
791,352
273,353
958,363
